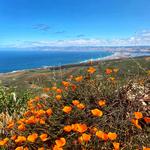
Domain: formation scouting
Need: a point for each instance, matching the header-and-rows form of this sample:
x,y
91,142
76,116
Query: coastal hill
x,y
99,105
42,77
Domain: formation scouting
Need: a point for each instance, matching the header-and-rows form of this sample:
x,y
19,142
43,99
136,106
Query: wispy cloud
x,y
80,35
60,32
45,27
139,39
41,27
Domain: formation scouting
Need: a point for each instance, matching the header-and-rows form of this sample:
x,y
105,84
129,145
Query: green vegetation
x,y
10,102
94,106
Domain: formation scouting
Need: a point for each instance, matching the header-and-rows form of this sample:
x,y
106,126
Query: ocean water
x,y
21,60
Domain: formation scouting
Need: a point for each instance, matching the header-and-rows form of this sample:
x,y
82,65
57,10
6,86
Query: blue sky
x,y
25,23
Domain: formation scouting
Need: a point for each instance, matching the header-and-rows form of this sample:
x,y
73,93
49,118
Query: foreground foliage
x,y
95,111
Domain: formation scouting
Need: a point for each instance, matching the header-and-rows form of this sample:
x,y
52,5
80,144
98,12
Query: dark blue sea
x,y
21,60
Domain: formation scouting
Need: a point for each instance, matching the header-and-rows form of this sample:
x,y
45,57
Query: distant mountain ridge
x,y
86,48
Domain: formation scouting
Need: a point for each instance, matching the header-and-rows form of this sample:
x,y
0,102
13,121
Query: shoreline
x,y
115,56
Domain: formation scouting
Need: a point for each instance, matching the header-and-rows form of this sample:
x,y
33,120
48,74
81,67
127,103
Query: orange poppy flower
x,y
105,137
54,88
99,134
67,109
40,112
93,130
61,142
58,97
101,102
21,121
91,70
67,128
31,120
75,102
108,71
32,137
81,106
49,111
37,98
81,128
97,112
56,147
116,145
138,115
73,86
20,139
74,127
112,136
136,123
46,89
43,137
26,148
65,83
78,79
19,148
27,113
59,90
85,137
13,137
41,148
32,108
4,142
10,125
102,135
147,119
39,105
146,148
42,121
22,127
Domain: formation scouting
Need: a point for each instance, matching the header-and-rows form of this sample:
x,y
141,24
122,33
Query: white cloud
x,y
141,38
41,27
